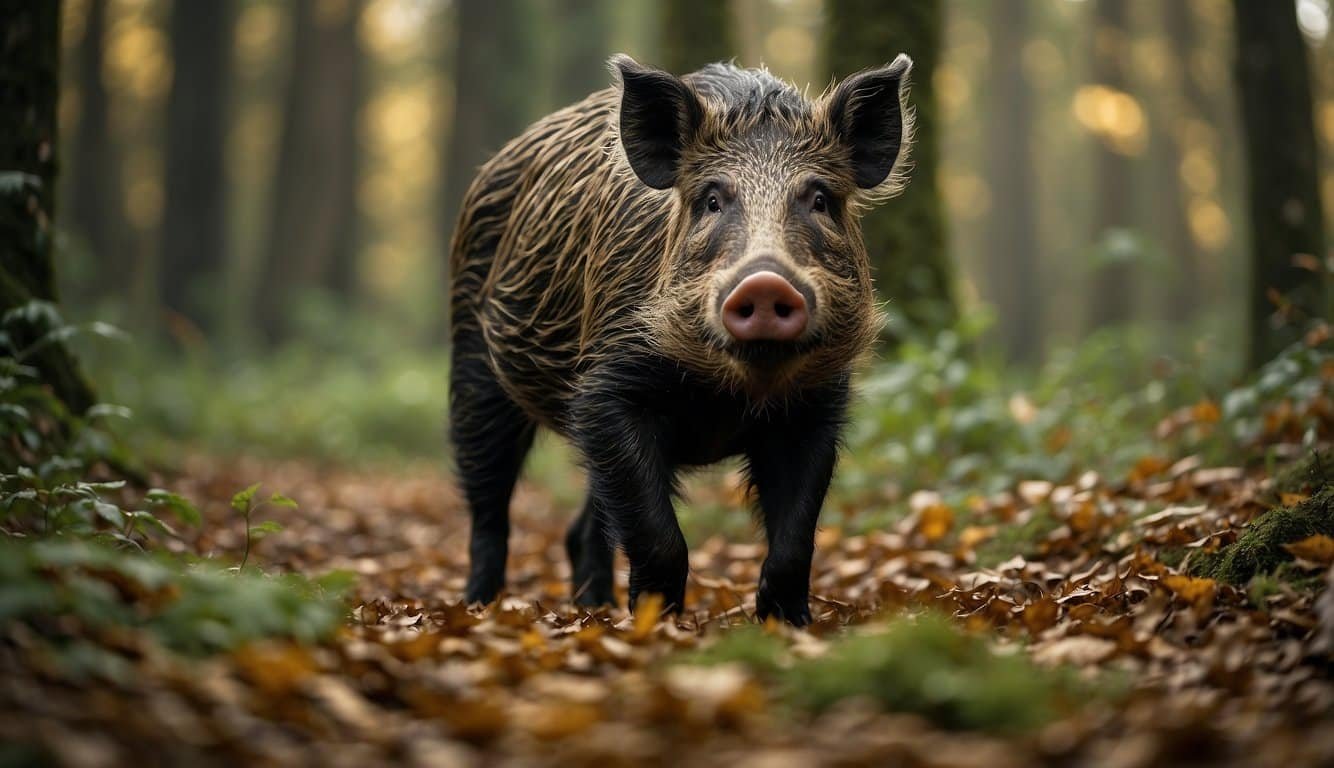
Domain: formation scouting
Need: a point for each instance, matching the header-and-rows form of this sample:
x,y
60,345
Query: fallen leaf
x,y
1318,549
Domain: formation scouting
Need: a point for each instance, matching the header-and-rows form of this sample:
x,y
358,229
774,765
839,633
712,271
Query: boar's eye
x,y
819,204
714,204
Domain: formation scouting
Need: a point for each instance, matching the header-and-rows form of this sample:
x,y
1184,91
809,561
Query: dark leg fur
x,y
632,481
790,461
491,437
590,559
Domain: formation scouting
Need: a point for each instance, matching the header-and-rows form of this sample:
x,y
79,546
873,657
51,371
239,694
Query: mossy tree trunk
x,y
1283,165
906,236
694,34
29,87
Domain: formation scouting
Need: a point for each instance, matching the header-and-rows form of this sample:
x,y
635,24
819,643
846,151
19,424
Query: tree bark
x,y
695,34
1012,263
906,236
1111,292
312,239
493,81
1282,164
194,231
94,188
29,90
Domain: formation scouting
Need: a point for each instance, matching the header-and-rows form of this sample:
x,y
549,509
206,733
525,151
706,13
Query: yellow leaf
x,y
1293,499
1198,592
935,522
1206,412
1317,549
974,535
648,609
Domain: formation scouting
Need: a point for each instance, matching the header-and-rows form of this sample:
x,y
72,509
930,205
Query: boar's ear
x,y
868,112
659,115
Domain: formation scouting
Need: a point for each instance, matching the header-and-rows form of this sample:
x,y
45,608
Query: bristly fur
x,y
584,300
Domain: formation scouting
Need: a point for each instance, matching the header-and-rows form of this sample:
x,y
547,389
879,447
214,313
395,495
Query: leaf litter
x,y
944,639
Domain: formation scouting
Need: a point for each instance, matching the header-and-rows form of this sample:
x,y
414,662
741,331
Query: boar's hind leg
x,y
491,437
590,558
790,462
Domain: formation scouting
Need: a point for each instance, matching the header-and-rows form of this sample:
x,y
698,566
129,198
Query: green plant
x,y
245,505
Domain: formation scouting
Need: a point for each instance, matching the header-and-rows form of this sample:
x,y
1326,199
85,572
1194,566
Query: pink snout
x,y
765,307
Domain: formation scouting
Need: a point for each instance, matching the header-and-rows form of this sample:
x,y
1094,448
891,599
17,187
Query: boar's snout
x,y
764,306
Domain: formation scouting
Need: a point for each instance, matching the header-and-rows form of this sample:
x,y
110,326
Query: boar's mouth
x,y
769,355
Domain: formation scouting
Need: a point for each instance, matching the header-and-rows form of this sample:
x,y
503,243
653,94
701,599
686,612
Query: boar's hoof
x,y
483,588
594,594
794,608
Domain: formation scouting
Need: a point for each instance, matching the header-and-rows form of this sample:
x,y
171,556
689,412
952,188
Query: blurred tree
x,y
582,50
29,86
1012,264
313,232
1111,297
1282,162
194,218
494,94
1190,102
695,34
906,236
94,189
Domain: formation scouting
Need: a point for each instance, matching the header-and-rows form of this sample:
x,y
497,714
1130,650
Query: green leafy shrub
x,y
71,590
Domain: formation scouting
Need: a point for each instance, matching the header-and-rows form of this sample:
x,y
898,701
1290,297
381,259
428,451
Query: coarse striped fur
x,y
592,254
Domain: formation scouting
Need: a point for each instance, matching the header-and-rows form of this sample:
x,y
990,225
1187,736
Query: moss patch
x,y
925,665
1260,549
1313,471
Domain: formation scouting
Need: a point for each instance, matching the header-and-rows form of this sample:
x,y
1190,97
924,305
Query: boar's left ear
x,y
867,110
659,115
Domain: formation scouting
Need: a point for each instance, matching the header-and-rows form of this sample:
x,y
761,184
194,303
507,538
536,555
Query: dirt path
x,y
1203,672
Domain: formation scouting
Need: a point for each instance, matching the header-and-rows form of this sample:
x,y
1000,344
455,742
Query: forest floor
x,y
1095,646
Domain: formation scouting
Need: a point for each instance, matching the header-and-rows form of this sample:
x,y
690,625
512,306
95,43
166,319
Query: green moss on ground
x,y
925,665
1259,550
1313,471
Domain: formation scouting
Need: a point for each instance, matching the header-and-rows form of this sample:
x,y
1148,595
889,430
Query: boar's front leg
x,y
790,462
631,482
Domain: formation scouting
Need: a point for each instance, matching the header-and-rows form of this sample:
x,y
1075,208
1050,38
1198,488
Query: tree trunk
x,y
906,236
94,189
582,51
493,84
194,242
695,34
29,87
1111,292
1282,164
312,239
1012,263
1191,102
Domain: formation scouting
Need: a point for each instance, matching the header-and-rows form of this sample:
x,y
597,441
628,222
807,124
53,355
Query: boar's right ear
x,y
659,115
868,111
